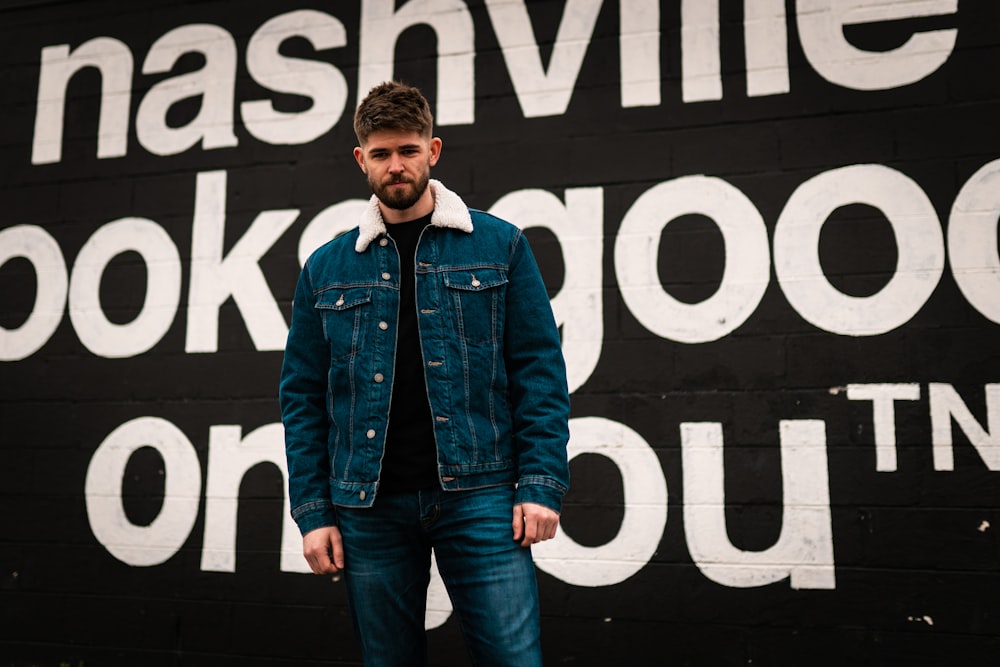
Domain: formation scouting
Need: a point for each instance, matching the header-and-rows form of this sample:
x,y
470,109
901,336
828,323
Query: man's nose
x,y
395,163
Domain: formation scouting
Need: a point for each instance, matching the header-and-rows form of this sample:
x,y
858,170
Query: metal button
x,y
362,495
383,242
476,283
371,433
386,276
340,301
383,325
379,377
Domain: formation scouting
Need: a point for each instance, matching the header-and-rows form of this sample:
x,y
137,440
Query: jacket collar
x,y
449,212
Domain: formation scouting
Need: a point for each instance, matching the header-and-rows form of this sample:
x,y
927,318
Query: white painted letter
x,y
381,26
215,278
972,241
542,93
883,398
142,546
163,288
215,83
766,37
640,52
321,82
804,550
114,61
701,63
38,247
229,459
645,509
918,239
821,30
328,223
946,405
745,277
578,306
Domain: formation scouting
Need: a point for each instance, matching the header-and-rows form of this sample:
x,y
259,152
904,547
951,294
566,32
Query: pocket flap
x,y
343,299
474,280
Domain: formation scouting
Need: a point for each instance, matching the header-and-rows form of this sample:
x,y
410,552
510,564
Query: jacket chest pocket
x,y
477,297
344,313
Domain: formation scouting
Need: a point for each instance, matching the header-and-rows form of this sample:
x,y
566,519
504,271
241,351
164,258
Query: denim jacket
x,y
496,378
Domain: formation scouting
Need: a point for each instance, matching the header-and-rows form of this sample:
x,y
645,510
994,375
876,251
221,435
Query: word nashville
x,y
540,90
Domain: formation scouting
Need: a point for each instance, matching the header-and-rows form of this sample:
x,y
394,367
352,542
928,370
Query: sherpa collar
x,y
449,211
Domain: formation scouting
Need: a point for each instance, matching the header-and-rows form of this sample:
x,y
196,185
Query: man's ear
x,y
435,150
359,156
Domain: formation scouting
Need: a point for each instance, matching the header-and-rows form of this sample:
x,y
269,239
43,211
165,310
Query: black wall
x,y
825,302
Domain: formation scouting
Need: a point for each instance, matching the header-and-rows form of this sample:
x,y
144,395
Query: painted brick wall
x,y
770,234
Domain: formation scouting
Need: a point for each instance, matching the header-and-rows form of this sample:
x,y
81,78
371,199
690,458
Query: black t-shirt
x,y
410,460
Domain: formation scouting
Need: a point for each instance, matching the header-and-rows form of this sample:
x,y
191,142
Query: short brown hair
x,y
393,106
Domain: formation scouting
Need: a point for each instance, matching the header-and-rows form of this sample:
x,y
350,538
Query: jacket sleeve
x,y
536,373
302,393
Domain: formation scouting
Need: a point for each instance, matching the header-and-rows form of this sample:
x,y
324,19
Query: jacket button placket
x,y
430,321
382,344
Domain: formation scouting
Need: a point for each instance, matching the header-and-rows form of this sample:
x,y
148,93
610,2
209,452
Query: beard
x,y
400,199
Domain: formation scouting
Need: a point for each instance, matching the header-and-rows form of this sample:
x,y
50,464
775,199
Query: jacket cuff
x,y
541,491
317,514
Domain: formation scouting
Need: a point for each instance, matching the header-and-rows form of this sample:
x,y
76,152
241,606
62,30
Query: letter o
x,y
745,276
134,545
972,241
918,238
645,509
163,288
38,247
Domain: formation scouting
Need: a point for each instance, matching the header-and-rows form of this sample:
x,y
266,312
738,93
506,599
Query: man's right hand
x,y
324,550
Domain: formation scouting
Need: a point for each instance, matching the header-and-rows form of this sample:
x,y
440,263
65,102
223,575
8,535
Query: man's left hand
x,y
534,523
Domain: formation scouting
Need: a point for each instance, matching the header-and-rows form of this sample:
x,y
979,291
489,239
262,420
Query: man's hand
x,y
324,550
534,523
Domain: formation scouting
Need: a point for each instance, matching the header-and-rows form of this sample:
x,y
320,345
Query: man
x,y
424,399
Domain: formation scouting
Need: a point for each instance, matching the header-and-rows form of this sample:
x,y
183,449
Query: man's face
x,y
398,165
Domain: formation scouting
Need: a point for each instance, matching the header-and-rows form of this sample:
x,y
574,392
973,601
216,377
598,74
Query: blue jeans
x,y
489,577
